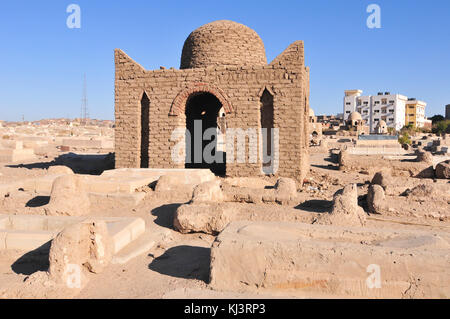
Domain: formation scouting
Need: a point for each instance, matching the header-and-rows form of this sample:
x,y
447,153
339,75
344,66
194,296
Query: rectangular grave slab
x,y
16,155
185,176
28,232
334,261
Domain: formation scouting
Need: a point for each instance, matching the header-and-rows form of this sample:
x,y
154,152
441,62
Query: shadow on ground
x,y
187,262
164,214
315,206
329,166
93,164
33,261
38,201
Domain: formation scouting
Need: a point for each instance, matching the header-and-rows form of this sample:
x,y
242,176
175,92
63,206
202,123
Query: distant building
x,y
447,112
381,128
428,124
415,112
387,107
315,128
330,121
357,124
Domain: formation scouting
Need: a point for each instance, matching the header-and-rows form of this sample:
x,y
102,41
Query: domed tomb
x,y
355,116
223,43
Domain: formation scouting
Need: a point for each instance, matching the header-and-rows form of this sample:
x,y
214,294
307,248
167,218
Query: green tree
x,y
436,118
404,139
441,127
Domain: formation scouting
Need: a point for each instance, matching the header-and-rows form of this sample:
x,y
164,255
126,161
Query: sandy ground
x,y
179,267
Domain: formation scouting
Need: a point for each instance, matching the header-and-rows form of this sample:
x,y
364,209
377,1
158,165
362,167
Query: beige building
x,y
315,128
356,124
224,82
415,112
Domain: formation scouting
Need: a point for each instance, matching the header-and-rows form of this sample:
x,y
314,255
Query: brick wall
x,y
239,89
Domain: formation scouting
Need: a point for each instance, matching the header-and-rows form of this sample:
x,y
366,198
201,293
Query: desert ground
x,y
163,234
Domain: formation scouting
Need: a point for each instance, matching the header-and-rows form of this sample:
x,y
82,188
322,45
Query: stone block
x,y
123,199
28,222
2,239
16,155
333,260
123,232
5,222
30,231
57,223
28,240
43,185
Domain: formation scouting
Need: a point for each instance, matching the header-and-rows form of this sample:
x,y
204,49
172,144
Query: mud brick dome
x,y
226,84
223,43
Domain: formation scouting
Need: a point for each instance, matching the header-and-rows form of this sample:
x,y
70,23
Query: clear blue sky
x,y
42,61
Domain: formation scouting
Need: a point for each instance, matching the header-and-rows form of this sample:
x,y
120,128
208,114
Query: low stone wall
x,y
88,143
373,164
397,150
14,151
377,143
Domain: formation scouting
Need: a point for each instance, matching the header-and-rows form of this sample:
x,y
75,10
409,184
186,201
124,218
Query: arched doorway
x,y
202,151
267,125
145,130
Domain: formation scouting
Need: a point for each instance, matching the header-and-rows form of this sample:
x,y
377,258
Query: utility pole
x,y
84,103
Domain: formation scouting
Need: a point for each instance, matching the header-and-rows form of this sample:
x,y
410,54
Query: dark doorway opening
x,y
266,114
203,150
145,130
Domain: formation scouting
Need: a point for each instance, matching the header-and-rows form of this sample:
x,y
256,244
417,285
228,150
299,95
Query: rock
x,y
345,211
167,183
421,191
382,178
425,157
79,249
284,192
443,170
427,172
376,199
208,192
59,169
206,218
343,158
68,197
211,218
286,187
172,187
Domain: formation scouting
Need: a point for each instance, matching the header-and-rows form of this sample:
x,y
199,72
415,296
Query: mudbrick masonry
x,y
224,81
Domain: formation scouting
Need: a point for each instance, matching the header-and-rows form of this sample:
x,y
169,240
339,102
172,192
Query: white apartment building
x,y
374,108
